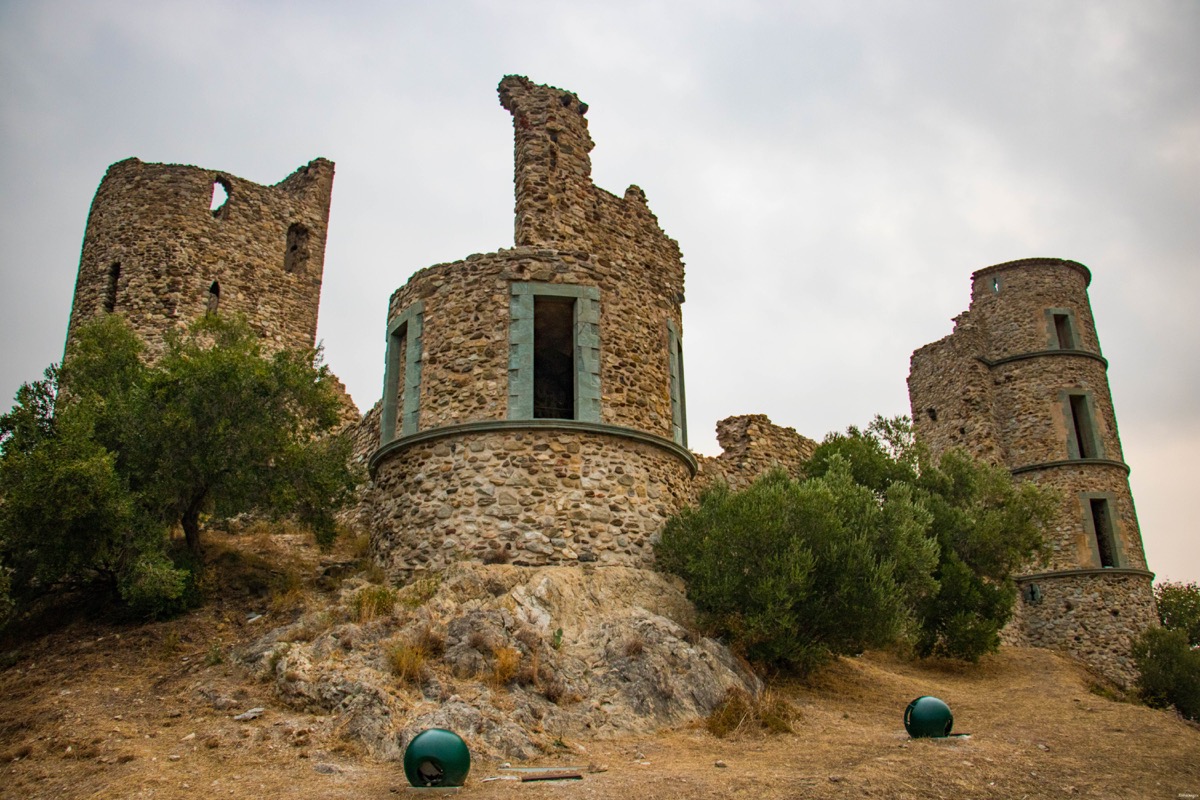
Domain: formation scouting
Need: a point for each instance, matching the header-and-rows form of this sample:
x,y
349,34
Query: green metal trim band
x,y
564,425
1040,353
1071,573
1071,462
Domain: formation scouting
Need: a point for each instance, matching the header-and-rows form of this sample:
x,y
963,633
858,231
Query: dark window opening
x,y
296,256
996,285
1062,329
1081,427
220,196
553,358
214,298
110,291
932,412
400,342
1102,523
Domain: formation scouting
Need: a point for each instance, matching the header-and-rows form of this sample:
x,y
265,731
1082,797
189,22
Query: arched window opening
x,y
220,197
214,298
295,258
110,290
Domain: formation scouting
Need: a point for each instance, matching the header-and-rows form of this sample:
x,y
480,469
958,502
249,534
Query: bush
x,y
985,526
1169,671
94,477
793,573
1179,609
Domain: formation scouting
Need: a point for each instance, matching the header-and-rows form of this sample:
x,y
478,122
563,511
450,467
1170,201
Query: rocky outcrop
x,y
513,659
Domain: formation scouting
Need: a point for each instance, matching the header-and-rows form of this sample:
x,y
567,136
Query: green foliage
x,y
94,476
985,526
1179,608
795,572
1169,671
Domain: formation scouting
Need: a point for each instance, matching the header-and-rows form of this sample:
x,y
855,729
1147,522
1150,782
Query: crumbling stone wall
x,y
1021,382
156,253
752,445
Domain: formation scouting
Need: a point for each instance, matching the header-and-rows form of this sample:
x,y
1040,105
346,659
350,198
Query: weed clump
x,y
372,602
740,714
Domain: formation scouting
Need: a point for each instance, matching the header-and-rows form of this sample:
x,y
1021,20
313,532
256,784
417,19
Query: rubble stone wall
x,y
752,445
156,253
525,495
1092,615
466,330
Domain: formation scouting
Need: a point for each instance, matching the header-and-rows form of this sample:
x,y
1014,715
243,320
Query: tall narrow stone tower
x,y
1021,382
533,403
161,248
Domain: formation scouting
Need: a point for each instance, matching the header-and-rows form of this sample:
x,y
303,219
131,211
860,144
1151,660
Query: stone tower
x,y
162,249
533,404
1021,382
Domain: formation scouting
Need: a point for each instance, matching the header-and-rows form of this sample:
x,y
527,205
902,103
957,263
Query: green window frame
x,y
403,362
586,346
678,388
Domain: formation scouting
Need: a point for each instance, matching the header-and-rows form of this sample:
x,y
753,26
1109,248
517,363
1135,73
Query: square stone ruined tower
x,y
162,249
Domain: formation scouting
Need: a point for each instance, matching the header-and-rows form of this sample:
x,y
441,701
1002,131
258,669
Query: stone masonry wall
x,y
153,249
558,206
752,445
531,497
1094,616
465,350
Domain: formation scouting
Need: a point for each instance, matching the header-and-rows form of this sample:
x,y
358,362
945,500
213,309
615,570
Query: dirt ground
x,y
101,709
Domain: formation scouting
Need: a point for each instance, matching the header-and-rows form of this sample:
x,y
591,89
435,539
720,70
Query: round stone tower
x,y
533,405
167,243
1021,382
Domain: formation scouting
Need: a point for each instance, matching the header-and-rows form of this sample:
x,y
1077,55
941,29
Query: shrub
x,y
985,526
1179,609
1169,671
793,573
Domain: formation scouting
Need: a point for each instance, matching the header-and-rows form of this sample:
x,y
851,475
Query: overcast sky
x,y
833,171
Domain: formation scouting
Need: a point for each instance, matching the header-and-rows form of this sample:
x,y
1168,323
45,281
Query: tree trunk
x,y
191,522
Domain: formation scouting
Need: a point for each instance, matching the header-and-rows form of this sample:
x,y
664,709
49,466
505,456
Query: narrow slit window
x,y
400,342
214,298
553,357
110,290
1102,525
295,258
1064,332
1082,431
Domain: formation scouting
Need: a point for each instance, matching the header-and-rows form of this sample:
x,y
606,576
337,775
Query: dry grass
x,y
372,602
740,714
406,660
506,661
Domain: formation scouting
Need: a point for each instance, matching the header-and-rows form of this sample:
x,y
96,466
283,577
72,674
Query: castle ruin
x,y
534,406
